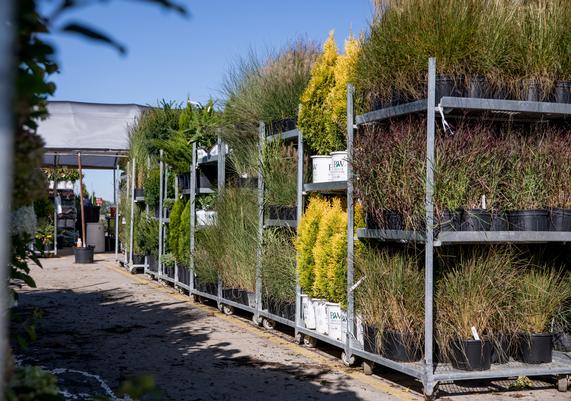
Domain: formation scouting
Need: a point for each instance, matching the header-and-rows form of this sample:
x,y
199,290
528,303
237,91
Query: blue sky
x,y
174,58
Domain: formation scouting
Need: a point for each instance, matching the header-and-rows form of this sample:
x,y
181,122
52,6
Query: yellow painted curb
x,y
375,382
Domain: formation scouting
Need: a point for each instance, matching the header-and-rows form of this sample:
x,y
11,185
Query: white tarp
x,y
99,131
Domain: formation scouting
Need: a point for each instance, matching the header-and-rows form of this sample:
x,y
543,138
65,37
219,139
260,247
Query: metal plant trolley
x,y
430,372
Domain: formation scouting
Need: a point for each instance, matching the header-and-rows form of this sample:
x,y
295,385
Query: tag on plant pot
x,y
475,333
483,201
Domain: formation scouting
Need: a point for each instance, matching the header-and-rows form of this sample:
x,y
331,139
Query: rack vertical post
x,y
131,226
350,226
161,186
260,233
192,221
429,244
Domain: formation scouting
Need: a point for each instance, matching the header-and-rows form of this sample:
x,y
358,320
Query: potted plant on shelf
x,y
543,292
475,285
390,300
205,215
279,169
278,272
527,188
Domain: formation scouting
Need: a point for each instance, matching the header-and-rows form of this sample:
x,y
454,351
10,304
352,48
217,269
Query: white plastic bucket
x,y
336,321
205,218
339,166
321,323
307,312
321,166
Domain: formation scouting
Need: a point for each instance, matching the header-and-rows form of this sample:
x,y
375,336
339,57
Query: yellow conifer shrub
x,y
334,222
306,240
314,117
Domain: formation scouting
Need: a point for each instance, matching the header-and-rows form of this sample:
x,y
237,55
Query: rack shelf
x,y
208,160
512,108
284,136
281,223
418,106
495,237
326,187
390,235
200,191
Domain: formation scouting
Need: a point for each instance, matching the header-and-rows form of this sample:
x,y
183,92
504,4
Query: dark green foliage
x,y
196,123
183,253
279,169
147,236
278,265
152,187
175,228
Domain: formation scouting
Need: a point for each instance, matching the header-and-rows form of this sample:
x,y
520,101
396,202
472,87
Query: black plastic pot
x,y
478,87
153,263
371,222
83,255
206,179
237,295
392,220
277,212
562,342
400,347
169,271
208,288
500,222
471,354
529,220
531,87
446,86
138,259
370,339
287,124
536,348
248,182
501,349
139,193
184,181
109,244
282,309
560,219
451,220
563,92
476,220
183,275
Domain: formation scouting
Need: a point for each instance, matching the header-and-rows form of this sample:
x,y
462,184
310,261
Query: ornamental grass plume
x,y
391,296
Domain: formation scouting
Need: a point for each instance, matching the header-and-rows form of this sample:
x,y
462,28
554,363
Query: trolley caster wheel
x,y
220,307
257,320
431,394
268,324
368,367
348,361
309,342
562,383
228,310
195,298
298,339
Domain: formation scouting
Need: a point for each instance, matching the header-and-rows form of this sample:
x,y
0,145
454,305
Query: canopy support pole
x,y
81,200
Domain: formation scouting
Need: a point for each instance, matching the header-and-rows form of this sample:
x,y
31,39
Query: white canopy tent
x,y
100,132
88,135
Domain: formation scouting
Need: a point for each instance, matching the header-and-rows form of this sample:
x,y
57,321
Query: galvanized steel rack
x,y
431,373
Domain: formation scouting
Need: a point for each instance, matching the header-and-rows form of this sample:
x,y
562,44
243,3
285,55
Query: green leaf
x,y
94,35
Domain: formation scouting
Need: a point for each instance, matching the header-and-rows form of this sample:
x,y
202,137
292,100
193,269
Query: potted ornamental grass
x,y
543,293
279,169
278,272
474,286
391,302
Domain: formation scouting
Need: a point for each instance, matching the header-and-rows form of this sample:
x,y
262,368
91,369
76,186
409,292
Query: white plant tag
x,y
484,206
475,333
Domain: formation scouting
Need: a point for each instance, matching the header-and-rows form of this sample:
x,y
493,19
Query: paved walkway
x,y
102,326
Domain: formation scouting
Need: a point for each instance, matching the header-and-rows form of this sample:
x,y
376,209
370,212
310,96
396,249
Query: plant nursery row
x,y
433,241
